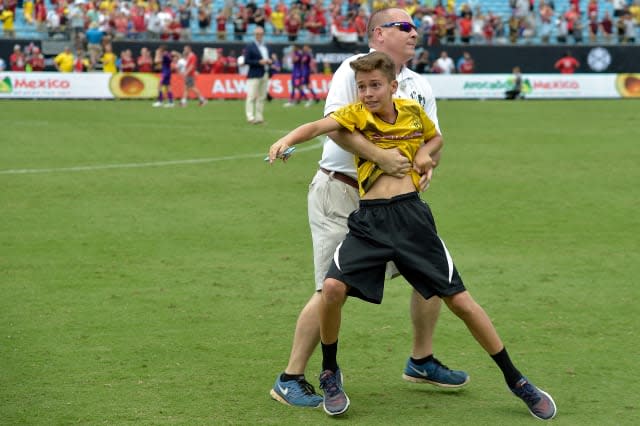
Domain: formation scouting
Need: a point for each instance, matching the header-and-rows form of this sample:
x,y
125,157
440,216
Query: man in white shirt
x,y
444,64
333,195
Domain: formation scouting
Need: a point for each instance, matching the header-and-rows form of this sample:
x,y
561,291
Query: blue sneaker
x,y
540,403
335,400
297,393
436,373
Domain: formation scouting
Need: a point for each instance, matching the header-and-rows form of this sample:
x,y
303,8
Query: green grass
x,y
138,291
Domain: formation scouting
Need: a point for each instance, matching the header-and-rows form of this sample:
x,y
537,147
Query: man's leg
x,y
291,387
252,87
261,97
422,366
539,403
306,337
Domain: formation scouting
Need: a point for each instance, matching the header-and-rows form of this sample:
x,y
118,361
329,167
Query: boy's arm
x,y
391,161
302,134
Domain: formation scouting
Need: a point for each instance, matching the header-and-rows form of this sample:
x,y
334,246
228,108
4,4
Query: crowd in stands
x,y
438,21
29,58
91,25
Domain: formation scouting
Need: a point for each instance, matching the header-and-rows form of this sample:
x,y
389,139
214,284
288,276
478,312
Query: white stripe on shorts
x,y
449,259
336,258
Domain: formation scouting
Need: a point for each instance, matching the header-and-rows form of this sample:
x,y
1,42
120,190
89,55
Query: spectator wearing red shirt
x,y
36,60
138,25
221,25
315,23
219,65
17,61
173,30
293,23
592,7
267,10
40,15
607,26
145,61
80,62
360,22
120,26
567,64
466,64
231,63
464,28
127,63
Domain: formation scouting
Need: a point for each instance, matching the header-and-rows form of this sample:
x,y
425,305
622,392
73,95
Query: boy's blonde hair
x,y
375,61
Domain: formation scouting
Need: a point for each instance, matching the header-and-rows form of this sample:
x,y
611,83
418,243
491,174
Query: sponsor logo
x,y
628,85
284,391
422,373
5,85
599,59
43,83
500,85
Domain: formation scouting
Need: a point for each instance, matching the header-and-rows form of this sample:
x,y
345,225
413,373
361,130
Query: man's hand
x,y
276,151
393,162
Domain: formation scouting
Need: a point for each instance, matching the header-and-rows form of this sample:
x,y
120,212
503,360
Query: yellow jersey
x,y
109,63
64,61
411,129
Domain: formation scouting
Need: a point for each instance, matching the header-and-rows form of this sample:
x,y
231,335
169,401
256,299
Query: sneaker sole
x,y
277,397
431,382
337,413
555,409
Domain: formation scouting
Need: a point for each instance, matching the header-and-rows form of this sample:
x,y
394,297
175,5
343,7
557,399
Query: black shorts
x,y
402,230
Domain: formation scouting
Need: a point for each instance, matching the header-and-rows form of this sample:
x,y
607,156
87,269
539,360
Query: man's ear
x,y
394,86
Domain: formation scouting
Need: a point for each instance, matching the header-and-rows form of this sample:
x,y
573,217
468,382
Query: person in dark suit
x,y
257,57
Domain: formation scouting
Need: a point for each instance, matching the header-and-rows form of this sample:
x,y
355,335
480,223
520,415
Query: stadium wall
x,y
98,85
488,59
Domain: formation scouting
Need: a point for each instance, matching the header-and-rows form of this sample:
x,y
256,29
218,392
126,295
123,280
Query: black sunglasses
x,y
402,26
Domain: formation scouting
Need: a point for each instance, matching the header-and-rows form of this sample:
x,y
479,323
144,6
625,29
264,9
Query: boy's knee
x,y
461,304
334,291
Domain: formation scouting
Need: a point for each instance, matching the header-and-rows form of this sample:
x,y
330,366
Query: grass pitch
x,y
152,266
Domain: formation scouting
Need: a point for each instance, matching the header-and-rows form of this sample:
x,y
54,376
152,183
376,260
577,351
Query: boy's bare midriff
x,y
388,186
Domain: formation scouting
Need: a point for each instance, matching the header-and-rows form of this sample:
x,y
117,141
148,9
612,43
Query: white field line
x,y
148,164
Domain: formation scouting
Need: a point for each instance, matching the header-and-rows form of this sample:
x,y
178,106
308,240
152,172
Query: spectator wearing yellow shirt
x,y
109,60
27,11
64,60
634,10
7,18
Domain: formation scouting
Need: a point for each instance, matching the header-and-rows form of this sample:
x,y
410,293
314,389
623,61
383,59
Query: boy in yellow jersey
x,y
392,223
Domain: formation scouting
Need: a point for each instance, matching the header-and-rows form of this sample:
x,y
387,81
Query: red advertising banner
x,y
212,86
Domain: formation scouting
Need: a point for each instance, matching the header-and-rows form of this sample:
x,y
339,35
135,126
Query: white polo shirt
x,y
343,92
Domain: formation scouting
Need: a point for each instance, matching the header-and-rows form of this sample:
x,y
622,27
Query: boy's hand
x,y
394,163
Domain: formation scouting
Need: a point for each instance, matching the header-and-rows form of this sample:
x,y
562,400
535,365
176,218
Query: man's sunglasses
x,y
402,26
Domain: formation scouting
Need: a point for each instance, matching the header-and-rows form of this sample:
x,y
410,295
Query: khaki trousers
x,y
256,97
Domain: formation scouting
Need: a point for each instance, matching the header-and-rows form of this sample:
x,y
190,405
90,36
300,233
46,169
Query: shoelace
x,y
307,388
330,385
528,393
437,362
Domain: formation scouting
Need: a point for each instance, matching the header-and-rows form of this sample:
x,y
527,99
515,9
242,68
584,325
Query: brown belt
x,y
341,177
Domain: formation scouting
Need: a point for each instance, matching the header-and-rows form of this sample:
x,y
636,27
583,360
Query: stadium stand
x,y
530,30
